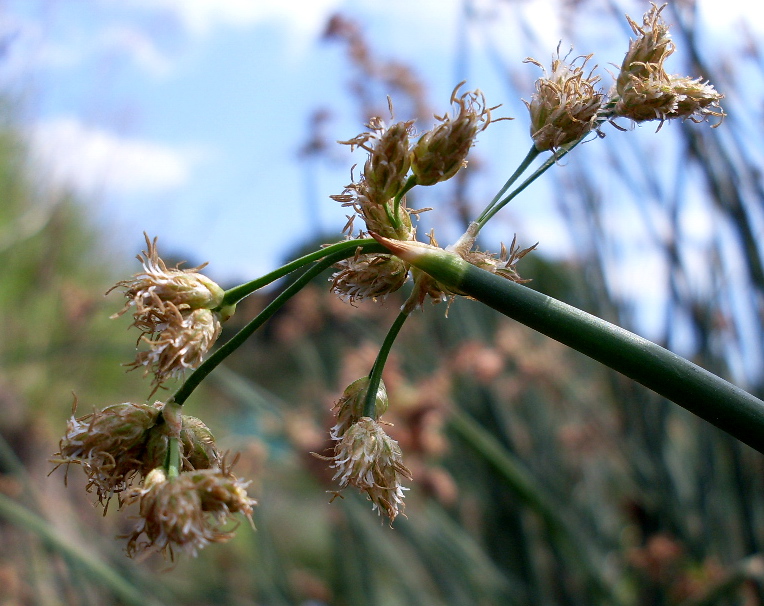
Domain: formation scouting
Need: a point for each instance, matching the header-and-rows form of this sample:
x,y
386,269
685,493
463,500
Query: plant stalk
x,y
710,397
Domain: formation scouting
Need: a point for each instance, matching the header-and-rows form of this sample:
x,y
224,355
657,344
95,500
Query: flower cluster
x,y
378,197
645,91
128,443
367,458
178,312
567,105
364,455
189,511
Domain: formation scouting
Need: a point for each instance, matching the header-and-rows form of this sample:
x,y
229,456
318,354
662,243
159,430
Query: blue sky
x,y
183,117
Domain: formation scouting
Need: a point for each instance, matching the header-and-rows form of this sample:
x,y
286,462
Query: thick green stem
x,y
530,157
237,293
196,377
710,397
370,403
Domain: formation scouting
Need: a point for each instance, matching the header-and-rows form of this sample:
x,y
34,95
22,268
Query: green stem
x,y
530,157
408,186
710,397
375,377
340,253
494,208
237,293
97,569
521,482
172,462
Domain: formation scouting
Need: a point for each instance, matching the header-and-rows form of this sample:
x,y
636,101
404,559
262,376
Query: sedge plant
x,y
167,463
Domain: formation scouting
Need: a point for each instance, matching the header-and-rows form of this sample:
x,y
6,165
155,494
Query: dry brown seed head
x,y
442,151
369,276
565,105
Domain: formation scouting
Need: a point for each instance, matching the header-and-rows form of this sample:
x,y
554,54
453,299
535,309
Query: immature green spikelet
x,y
565,105
350,406
198,448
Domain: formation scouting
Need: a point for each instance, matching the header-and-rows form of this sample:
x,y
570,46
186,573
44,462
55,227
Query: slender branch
x,y
237,293
530,157
173,457
370,403
710,397
407,186
196,377
551,161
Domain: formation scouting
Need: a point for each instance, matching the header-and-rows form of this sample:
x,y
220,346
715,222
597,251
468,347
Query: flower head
x,y
645,91
180,342
198,448
649,50
441,152
173,309
185,288
565,105
388,164
367,458
125,442
369,276
188,511
695,100
109,445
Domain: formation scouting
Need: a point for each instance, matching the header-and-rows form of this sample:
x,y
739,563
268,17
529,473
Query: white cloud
x,y
137,45
67,152
202,16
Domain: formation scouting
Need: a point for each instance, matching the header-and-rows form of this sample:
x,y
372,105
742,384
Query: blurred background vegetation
x,y
539,477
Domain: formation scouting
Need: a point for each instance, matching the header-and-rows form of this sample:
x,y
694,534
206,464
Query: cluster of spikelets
x,y
567,104
123,450
364,455
178,311
394,166
126,450
168,463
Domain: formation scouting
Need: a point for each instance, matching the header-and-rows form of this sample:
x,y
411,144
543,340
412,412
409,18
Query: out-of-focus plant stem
x,y
710,397
523,485
20,516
